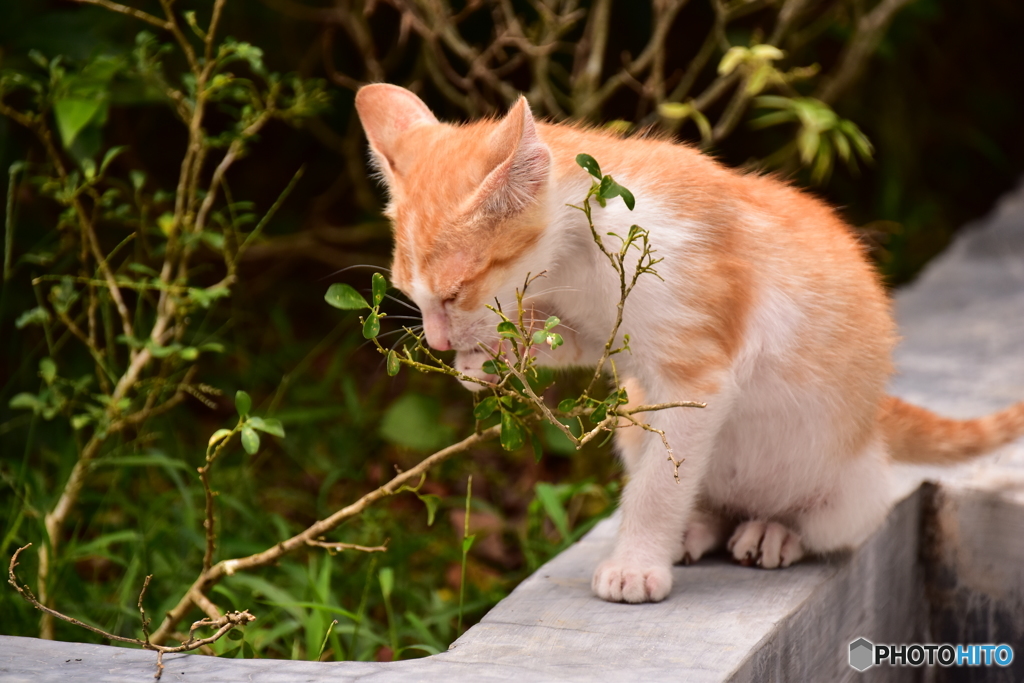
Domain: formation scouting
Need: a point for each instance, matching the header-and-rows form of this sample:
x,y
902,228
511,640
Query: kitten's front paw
x,y
766,544
623,581
471,363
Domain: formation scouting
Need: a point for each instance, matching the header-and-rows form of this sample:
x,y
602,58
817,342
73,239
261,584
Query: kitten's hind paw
x,y
767,544
623,581
701,536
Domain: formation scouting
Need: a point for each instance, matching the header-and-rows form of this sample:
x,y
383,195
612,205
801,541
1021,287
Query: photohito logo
x,y
865,654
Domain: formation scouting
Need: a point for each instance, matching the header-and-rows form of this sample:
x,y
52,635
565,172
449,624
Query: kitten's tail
x,y
916,435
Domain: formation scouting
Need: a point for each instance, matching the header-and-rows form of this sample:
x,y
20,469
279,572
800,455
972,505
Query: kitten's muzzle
x,y
435,327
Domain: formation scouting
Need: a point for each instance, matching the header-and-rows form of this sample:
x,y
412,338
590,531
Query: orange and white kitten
x,y
768,311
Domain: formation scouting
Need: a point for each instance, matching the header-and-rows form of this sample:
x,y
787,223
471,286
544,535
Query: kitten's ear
x,y
387,111
521,165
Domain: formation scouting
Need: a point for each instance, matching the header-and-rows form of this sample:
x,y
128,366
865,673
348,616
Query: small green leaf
x,y
250,440
508,330
620,126
166,223
599,414
33,316
48,370
371,326
394,364
380,287
512,433
589,164
138,179
431,501
88,168
807,143
75,113
627,197
189,353
467,543
493,367
387,581
205,297
162,351
675,110
273,427
703,125
551,322
268,425
767,52
773,119
733,57
609,189
567,404
26,401
111,154
217,436
757,80
842,145
540,336
485,408
554,340
243,403
345,297
190,18
39,58
548,496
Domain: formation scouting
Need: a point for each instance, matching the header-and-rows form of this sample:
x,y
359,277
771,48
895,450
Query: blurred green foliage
x,y
939,104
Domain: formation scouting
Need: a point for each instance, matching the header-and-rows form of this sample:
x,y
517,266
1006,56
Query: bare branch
x,y
130,11
336,547
227,567
223,623
870,29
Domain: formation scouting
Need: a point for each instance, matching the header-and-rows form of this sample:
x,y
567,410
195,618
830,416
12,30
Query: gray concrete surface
x,y
961,546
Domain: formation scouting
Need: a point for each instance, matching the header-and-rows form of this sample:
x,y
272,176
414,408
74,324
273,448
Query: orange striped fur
x,y
767,310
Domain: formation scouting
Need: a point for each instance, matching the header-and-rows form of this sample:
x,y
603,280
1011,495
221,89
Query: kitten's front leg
x,y
655,506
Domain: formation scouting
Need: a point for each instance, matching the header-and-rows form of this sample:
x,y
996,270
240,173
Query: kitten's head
x,y
467,205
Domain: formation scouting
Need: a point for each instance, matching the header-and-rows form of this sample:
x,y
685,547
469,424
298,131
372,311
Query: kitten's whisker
x,y
385,334
541,321
532,295
407,335
358,265
404,303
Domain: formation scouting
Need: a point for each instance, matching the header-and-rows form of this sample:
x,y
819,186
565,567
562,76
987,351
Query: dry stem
x,y
223,624
214,574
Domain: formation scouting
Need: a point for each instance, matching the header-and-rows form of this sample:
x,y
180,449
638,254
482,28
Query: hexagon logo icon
x,y
862,654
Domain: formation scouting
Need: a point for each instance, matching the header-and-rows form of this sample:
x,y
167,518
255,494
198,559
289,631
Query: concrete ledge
x,y
722,622
947,565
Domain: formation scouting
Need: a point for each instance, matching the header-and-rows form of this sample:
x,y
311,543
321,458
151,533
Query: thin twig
x,y
130,11
331,545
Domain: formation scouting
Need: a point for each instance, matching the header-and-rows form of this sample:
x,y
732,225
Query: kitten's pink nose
x,y
435,326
